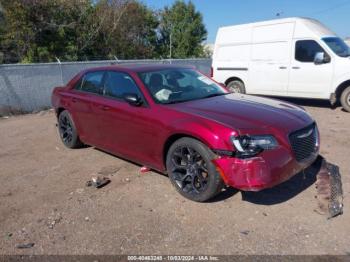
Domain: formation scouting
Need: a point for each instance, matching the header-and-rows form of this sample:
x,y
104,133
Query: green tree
x,y
2,27
181,30
127,29
41,30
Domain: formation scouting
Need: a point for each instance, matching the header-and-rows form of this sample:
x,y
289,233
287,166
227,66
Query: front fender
x,y
340,80
213,135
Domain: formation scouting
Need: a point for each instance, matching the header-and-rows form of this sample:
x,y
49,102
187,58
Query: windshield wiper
x,y
181,101
175,102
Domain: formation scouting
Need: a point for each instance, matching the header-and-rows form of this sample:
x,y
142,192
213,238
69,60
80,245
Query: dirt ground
x,y
44,200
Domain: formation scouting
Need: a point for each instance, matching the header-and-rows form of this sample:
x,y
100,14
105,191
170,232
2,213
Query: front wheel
x,y
191,170
345,99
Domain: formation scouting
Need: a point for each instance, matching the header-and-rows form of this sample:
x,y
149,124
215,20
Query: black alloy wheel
x,y
191,170
68,131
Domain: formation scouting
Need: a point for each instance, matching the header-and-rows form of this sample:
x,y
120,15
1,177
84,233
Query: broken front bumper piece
x,y
329,190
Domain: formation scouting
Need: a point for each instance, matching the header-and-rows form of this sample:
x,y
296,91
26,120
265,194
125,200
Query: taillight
x,y
211,72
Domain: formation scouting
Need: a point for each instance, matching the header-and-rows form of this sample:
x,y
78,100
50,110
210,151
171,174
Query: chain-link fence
x,y
28,87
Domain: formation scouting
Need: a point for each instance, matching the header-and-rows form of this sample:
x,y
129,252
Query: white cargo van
x,y
295,57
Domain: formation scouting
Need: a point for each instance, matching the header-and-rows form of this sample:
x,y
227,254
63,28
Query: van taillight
x,y
211,72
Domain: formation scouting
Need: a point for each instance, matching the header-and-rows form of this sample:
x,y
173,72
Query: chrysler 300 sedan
x,y
180,122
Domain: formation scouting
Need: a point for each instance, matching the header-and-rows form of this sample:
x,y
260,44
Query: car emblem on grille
x,y
306,134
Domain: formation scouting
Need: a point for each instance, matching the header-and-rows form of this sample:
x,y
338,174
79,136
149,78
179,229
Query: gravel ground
x,y
44,200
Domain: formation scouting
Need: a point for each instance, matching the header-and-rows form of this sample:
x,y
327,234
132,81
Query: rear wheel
x,y
191,171
345,99
236,86
67,130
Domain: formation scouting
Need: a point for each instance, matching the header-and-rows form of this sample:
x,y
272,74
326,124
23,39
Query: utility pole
x,y
171,43
61,70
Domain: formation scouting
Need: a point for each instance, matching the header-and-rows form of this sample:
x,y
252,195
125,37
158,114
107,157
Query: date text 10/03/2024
x,y
172,258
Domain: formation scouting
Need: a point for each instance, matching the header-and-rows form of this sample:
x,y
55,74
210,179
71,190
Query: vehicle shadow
x,y
225,194
308,102
272,196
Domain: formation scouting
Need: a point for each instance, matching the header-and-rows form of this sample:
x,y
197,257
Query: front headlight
x,y
248,146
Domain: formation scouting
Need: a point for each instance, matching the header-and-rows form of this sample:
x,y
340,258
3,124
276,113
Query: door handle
x,y
104,108
296,67
283,67
74,100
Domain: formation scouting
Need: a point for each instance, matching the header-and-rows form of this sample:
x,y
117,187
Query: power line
x,y
332,8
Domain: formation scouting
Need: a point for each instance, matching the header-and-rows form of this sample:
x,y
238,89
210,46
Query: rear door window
x,y
92,82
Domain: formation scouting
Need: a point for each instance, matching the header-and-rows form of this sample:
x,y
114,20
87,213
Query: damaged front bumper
x,y
263,171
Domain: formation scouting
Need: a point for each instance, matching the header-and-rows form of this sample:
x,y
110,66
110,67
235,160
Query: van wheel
x,y
236,86
345,99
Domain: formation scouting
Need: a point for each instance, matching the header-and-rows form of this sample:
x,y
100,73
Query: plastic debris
x,y
329,190
245,232
27,245
98,182
145,169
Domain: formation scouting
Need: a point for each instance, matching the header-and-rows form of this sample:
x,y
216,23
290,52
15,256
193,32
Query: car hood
x,y
247,112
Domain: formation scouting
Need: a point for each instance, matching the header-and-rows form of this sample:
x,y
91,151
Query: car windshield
x,y
178,85
338,46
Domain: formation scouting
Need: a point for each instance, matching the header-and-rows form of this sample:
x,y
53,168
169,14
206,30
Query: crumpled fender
x,y
212,134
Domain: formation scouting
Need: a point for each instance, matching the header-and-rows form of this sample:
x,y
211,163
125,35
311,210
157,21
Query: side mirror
x,y
132,99
321,58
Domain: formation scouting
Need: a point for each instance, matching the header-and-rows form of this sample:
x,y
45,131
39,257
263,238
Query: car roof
x,y
140,67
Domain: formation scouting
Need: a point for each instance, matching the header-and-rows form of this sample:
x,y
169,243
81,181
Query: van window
x,y
305,50
338,46
117,84
92,82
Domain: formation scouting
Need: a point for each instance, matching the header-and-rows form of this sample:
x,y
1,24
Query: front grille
x,y
304,142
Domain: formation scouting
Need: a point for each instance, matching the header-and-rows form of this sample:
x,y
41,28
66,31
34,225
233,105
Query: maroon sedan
x,y
180,122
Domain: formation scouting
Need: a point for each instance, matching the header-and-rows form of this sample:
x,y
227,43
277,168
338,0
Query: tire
x,y
345,99
68,131
191,170
236,86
